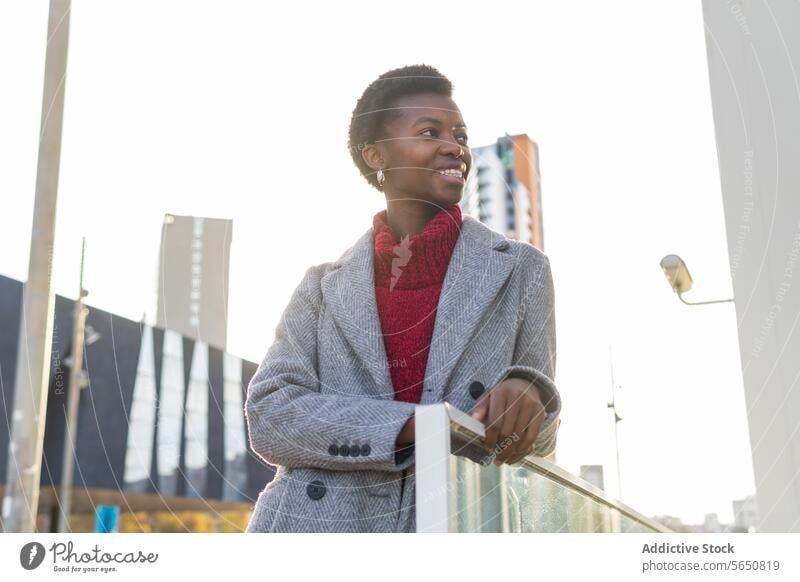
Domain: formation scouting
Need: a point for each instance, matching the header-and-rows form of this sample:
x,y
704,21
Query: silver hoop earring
x,y
381,177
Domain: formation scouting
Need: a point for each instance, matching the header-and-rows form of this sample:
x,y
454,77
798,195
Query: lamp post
x,y
617,418
82,335
680,280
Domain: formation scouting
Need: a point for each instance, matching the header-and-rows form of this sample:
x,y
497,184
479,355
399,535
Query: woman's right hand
x,y
406,436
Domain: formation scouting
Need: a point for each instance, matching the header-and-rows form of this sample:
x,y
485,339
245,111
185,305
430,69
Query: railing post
x,y
432,452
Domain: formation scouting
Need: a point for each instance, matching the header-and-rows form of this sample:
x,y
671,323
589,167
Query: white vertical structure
x,y
235,436
753,49
196,422
170,413
432,451
24,463
142,417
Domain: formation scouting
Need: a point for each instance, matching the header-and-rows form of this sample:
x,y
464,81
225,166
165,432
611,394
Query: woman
x,y
427,306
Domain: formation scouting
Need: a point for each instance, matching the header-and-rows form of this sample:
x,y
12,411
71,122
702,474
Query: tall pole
x,y
73,399
24,465
613,406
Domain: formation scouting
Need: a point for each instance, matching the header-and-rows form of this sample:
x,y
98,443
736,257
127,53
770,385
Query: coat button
x,y
316,490
344,451
365,450
355,451
476,389
333,450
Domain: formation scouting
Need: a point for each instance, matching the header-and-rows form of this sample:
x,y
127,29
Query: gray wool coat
x,y
321,405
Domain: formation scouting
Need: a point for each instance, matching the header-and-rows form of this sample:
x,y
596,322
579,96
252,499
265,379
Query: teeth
x,y
456,173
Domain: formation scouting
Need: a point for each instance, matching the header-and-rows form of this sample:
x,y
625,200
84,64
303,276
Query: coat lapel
x,y
481,263
349,292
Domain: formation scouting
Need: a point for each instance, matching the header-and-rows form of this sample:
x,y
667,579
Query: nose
x,y
451,148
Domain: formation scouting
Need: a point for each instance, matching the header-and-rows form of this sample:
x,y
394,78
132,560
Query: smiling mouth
x,y
456,178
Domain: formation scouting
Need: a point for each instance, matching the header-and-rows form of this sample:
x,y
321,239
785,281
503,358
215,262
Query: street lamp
x,y
680,280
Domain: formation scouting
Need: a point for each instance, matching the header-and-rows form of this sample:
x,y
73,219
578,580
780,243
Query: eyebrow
x,y
426,119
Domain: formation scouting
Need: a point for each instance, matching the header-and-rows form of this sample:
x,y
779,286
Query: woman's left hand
x,y
513,413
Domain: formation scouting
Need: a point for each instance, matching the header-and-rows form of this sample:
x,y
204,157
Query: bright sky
x,y
240,110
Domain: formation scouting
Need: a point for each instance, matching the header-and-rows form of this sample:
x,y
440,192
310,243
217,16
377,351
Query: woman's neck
x,y
409,217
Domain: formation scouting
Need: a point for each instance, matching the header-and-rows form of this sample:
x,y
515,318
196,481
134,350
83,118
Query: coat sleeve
x,y
291,423
535,349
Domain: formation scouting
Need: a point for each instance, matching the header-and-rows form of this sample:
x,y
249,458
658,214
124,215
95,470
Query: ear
x,y
372,155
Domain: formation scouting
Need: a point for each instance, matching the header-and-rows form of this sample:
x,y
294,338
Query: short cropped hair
x,y
375,107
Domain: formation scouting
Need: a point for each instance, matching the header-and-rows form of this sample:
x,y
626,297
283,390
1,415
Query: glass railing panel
x,y
466,492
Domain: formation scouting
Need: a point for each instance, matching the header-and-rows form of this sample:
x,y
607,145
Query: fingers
x,y
508,439
518,414
496,410
529,434
503,438
512,420
520,436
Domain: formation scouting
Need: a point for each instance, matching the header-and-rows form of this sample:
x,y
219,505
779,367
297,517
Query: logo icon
x,y
402,254
31,555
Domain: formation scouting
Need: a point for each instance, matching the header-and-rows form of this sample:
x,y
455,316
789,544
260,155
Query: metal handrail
x,y
467,428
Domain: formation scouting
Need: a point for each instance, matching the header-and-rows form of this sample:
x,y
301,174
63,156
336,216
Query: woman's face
x,y
418,145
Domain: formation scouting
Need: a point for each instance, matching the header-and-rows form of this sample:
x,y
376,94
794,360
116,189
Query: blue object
x,y
107,519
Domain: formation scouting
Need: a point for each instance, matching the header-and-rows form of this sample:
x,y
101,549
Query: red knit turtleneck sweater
x,y
409,275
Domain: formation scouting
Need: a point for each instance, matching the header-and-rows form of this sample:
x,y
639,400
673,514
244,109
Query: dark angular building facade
x,y
161,416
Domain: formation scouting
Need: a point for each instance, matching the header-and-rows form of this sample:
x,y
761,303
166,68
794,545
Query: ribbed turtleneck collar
x,y
420,260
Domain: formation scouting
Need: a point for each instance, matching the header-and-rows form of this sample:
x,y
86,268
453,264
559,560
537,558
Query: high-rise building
x,y
593,474
504,189
745,513
193,277
711,523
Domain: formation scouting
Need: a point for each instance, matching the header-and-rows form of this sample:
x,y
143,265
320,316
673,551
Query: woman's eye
x,y
463,136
